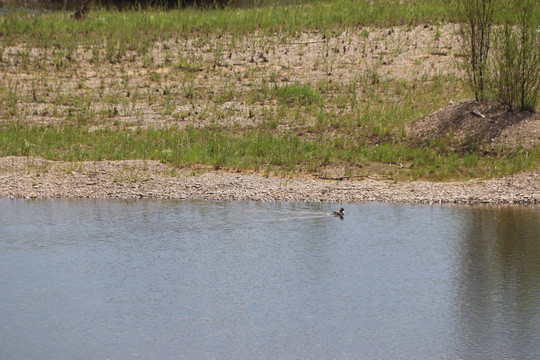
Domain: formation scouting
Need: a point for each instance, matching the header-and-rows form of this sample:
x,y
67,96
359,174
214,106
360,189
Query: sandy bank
x,y
22,177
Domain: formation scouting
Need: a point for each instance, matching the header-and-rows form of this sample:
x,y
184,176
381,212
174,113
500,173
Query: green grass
x,y
298,94
138,30
255,149
251,149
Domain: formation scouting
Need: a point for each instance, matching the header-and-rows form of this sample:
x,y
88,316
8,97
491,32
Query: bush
x,y
502,50
477,18
516,62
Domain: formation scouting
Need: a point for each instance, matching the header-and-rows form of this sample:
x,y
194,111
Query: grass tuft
x,y
297,94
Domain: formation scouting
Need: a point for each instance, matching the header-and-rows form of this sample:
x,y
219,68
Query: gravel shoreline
x,y
36,178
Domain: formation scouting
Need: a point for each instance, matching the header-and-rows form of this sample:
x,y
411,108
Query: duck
x,y
339,213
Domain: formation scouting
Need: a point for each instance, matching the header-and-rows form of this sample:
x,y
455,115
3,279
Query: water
x,y
241,280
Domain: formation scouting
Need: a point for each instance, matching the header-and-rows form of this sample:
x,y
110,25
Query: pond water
x,y
244,280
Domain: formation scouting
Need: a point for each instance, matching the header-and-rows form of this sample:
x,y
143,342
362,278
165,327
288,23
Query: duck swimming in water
x,y
339,213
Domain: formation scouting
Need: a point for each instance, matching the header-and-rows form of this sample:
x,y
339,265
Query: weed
x,y
13,99
297,94
156,77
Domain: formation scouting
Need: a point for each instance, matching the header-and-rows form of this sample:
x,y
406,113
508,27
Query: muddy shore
x,y
35,178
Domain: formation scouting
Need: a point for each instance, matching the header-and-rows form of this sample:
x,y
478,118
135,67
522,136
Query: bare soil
x,y
201,81
483,122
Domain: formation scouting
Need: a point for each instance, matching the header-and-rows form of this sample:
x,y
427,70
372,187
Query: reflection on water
x,y
499,288
237,280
